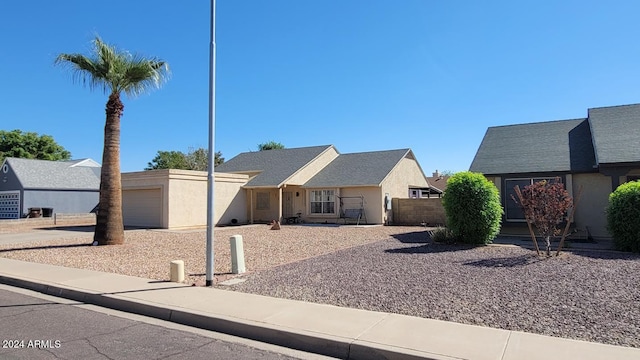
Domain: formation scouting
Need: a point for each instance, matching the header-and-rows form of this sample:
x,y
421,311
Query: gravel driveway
x,y
591,296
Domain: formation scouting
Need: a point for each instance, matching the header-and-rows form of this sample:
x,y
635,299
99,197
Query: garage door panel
x,y
142,207
9,204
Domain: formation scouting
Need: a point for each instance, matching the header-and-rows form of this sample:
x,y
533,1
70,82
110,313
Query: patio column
x,y
280,204
250,206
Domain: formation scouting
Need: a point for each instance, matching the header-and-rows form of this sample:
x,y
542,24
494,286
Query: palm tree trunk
x,y
109,223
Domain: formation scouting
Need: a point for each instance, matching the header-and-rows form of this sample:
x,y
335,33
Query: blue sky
x,y
363,75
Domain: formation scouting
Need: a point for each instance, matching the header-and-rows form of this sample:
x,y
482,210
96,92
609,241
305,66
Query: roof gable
x,y
45,174
616,132
554,146
358,169
438,182
273,167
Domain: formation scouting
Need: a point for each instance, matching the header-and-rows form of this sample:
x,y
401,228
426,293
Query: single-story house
x,y
595,154
437,185
63,186
311,184
318,184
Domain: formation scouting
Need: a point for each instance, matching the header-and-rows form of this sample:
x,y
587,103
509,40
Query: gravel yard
x,y
592,296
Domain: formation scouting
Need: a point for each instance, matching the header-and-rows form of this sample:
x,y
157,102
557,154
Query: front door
x,y
287,204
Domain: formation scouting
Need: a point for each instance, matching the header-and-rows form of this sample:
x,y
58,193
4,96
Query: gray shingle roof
x,y
275,166
357,169
43,174
616,133
438,182
554,146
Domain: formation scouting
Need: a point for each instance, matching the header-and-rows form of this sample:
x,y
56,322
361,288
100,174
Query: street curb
x,y
323,344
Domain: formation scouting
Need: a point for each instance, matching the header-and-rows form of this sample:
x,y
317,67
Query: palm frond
x,y
84,69
116,71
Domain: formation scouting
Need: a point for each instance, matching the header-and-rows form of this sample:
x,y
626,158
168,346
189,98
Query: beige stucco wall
x,y
428,211
593,202
313,167
497,181
373,207
184,196
188,198
262,216
407,173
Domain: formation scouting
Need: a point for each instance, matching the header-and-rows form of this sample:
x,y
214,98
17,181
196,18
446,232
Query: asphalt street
x,y
38,326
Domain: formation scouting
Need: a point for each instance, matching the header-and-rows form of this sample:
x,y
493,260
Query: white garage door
x,y
9,204
142,208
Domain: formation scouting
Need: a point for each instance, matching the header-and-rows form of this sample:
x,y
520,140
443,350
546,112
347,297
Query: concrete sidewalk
x,y
324,329
35,235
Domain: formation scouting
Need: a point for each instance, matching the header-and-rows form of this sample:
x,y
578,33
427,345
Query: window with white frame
x,y
262,200
512,210
323,202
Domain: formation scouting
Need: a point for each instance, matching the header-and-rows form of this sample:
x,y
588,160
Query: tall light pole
x,y
212,131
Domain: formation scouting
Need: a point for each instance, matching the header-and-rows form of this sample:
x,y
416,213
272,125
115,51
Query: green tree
x,y
30,145
472,205
168,160
270,145
198,159
195,159
623,216
114,71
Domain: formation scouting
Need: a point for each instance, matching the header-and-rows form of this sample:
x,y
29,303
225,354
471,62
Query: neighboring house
x,y
596,154
64,186
319,184
437,185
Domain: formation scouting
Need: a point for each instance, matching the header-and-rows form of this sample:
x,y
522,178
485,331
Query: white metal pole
x,y
210,171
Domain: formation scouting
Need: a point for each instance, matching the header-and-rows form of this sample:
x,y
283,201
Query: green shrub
x,y
472,205
442,235
623,216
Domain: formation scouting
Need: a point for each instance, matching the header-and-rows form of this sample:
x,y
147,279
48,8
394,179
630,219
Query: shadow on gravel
x,y
516,261
414,237
431,248
44,247
605,255
428,246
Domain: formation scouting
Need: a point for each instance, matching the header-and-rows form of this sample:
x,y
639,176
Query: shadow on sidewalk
x,y
26,248
78,228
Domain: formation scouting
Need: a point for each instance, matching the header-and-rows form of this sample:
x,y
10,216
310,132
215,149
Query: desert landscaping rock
x,y
585,295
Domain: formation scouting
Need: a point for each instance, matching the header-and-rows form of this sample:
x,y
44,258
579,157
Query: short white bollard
x,y
237,254
176,271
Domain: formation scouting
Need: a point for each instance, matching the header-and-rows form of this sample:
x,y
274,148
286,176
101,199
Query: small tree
x,y
271,145
545,205
195,159
198,159
472,206
168,160
623,216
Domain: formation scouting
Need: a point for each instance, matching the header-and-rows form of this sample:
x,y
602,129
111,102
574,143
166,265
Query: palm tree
x,y
114,71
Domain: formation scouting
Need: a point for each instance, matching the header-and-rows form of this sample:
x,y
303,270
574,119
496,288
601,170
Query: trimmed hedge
x,y
472,205
623,216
